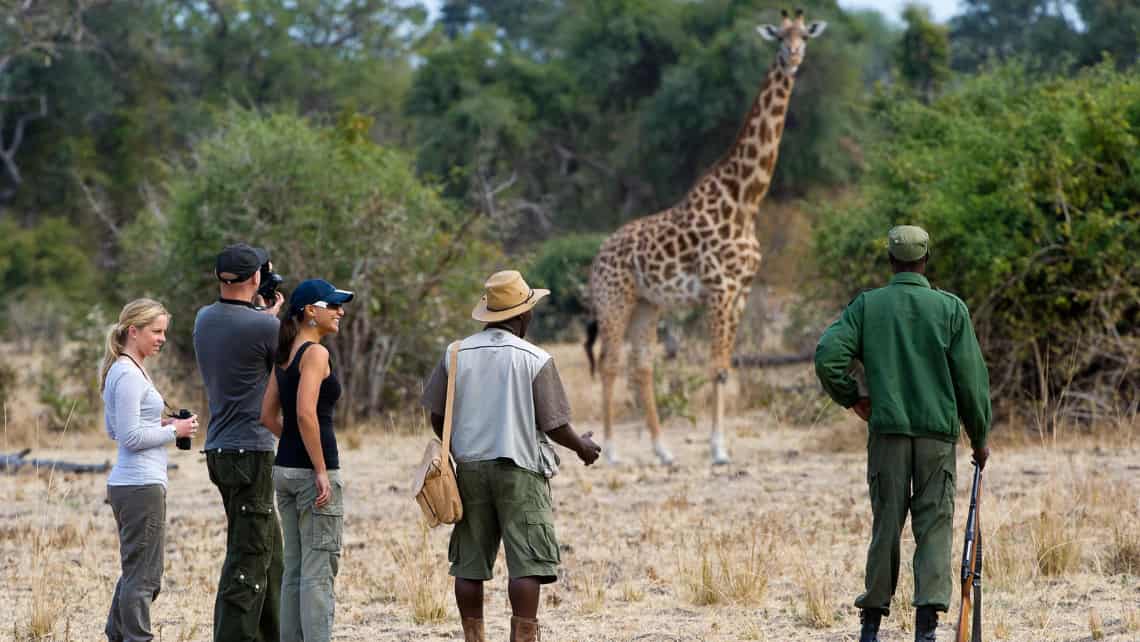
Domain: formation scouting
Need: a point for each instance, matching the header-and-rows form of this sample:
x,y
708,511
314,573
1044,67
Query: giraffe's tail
x,y
591,336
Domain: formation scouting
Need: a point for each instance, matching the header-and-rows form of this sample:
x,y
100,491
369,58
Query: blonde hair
x,y
139,314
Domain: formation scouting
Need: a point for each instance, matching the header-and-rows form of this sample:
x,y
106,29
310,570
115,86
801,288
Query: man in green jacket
x,y
925,373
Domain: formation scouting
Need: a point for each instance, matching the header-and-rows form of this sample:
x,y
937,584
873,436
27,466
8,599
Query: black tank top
x,y
291,451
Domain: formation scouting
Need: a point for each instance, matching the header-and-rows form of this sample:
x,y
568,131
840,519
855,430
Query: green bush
x,y
562,265
326,203
1030,190
45,261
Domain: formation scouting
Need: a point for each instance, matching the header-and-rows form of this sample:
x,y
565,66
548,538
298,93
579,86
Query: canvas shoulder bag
x,y
435,487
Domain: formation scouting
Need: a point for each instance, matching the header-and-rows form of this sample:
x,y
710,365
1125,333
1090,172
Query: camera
x,y
270,281
183,443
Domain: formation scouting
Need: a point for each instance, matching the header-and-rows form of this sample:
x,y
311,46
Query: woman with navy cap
x,y
298,405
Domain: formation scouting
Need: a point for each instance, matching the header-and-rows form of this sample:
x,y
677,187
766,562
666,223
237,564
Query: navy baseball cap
x,y
238,262
316,290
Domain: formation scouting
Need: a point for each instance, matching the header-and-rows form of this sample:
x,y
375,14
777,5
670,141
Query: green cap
x,y
908,242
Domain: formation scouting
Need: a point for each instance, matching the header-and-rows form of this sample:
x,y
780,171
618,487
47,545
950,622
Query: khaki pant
x,y
246,607
915,475
312,553
140,513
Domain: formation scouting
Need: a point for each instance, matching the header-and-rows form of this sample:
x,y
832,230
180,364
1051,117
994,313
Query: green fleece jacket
x,y
924,368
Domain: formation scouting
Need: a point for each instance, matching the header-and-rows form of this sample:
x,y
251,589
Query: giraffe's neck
x,y
736,185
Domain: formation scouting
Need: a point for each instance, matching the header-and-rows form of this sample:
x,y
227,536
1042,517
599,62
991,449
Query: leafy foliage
x,y
562,265
609,110
1053,35
924,53
1029,190
326,203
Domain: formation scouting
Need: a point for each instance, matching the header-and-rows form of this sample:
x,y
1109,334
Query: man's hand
x,y
588,451
324,489
863,408
274,309
981,455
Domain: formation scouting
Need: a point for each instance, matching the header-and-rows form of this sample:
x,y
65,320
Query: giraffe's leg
x,y
611,329
725,318
642,340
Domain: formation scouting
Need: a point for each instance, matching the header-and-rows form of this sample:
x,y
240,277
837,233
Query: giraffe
x,y
701,251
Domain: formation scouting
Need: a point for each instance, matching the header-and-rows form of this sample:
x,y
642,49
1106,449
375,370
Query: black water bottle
x,y
183,443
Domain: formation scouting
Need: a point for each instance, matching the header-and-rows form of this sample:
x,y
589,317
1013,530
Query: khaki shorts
x,y
503,502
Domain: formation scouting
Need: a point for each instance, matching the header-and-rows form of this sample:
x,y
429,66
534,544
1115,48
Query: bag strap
x,y
449,409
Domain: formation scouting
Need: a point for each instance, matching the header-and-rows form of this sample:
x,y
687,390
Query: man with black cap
x,y
235,343
925,374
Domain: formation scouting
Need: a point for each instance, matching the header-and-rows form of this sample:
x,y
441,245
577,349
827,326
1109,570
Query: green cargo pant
x,y
503,502
249,591
916,474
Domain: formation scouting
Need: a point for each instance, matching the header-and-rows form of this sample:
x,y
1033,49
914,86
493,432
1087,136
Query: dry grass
x,y
727,569
1130,617
773,545
423,587
1124,554
904,595
817,592
1056,543
1096,625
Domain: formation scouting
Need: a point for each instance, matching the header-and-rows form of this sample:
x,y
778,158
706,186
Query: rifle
x,y
972,567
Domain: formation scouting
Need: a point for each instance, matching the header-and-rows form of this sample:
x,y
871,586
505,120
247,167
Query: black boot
x,y
925,623
869,618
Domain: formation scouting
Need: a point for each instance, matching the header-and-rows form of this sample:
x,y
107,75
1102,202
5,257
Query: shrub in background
x,y
1030,190
326,203
562,265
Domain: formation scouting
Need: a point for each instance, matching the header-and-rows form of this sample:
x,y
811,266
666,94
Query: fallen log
x,y
14,462
768,360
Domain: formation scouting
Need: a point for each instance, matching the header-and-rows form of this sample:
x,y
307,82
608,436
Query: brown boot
x,y
524,629
473,629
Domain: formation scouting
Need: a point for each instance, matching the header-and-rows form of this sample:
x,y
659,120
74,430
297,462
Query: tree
x,y
35,32
1036,30
924,52
1111,27
324,202
1029,189
580,116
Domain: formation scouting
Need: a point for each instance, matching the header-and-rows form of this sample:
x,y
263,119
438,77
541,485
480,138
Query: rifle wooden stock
x,y
972,567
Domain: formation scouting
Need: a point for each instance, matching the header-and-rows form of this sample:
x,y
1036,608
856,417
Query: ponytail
x,y
290,325
116,343
138,313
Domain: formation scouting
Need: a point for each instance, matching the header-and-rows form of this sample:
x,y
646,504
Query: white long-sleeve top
x,y
132,408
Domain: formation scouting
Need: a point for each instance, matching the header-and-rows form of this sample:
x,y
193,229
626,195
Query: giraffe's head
x,y
793,36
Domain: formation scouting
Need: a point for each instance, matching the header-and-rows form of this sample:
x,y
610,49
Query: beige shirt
x,y
507,396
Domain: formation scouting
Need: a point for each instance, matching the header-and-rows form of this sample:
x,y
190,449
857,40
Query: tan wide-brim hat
x,y
507,295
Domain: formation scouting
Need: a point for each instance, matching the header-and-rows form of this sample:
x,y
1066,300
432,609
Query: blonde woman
x,y
136,487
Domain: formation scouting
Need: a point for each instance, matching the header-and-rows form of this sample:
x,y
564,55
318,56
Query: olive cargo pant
x,y
912,474
249,590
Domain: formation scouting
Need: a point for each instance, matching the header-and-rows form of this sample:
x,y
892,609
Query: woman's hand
x,y
186,427
324,489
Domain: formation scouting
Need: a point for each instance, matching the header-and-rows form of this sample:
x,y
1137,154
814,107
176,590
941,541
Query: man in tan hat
x,y
509,406
925,376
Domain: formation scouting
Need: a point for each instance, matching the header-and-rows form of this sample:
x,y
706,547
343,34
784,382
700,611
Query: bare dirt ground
x,y
770,547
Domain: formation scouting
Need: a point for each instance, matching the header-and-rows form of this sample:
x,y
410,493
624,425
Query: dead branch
x,y
8,151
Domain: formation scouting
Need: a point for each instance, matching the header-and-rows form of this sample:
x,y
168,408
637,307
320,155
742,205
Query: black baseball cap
x,y
238,262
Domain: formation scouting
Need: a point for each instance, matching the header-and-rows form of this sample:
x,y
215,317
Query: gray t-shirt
x,y
235,345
